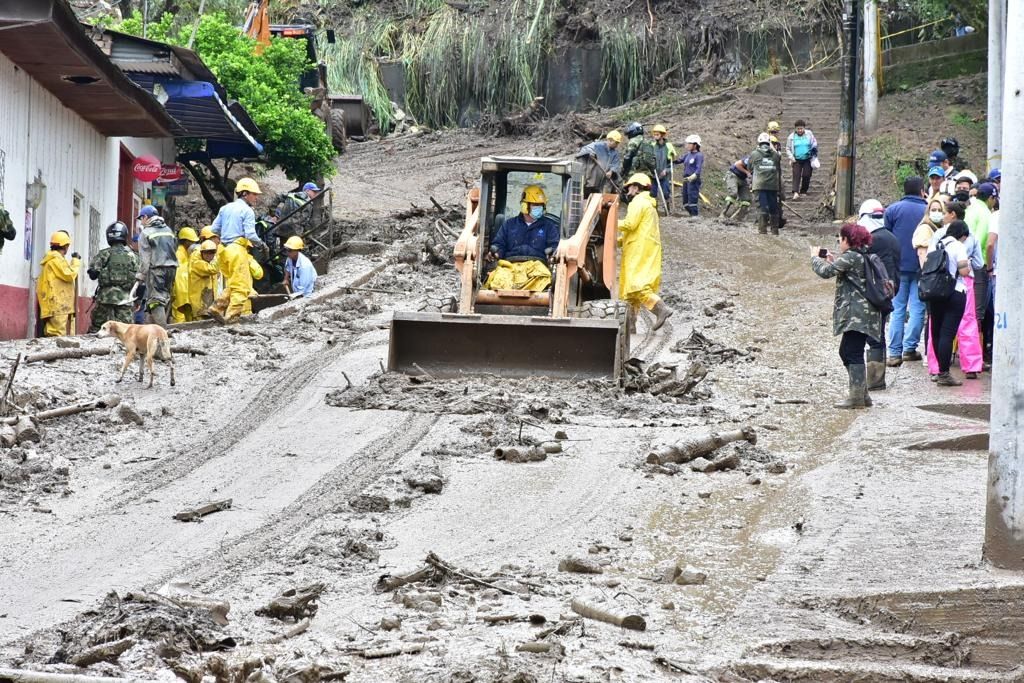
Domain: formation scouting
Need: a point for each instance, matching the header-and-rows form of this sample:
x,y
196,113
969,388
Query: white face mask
x,y
936,216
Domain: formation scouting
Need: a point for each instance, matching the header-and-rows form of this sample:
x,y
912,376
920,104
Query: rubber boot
x,y
876,369
762,224
661,314
159,315
776,224
857,397
725,211
741,212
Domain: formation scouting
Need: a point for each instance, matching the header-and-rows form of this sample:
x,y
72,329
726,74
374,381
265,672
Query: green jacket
x,y
641,158
115,268
766,165
852,311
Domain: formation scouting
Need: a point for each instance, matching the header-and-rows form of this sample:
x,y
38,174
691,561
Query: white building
x,y
71,126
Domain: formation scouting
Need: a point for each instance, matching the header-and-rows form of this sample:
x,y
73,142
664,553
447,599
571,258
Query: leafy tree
x,y
267,85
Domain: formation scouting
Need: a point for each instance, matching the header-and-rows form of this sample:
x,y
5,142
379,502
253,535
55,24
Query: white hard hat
x,y
966,175
695,139
871,207
764,138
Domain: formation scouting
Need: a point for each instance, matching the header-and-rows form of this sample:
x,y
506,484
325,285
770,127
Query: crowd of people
x,y
175,277
937,248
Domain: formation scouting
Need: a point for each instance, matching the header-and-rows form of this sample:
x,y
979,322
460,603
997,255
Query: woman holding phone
x,y
853,316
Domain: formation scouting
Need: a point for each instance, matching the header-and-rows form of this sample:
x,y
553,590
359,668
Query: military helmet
x,y
634,129
117,233
950,146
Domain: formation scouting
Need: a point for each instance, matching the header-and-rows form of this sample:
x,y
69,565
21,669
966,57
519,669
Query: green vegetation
x,y
631,59
266,85
964,120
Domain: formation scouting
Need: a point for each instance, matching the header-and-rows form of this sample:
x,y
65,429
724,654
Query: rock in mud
x,y
777,467
561,435
580,565
26,430
428,481
66,343
702,465
729,461
753,480
390,623
128,415
365,502
669,573
691,576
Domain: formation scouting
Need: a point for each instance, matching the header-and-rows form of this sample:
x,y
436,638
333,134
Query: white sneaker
x,y
796,195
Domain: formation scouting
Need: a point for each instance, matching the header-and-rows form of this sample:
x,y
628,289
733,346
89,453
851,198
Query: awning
x,y
44,38
202,113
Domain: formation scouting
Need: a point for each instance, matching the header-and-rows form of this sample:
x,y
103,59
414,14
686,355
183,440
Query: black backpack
x,y
878,288
936,283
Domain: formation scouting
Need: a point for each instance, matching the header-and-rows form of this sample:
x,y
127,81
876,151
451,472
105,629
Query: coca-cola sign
x,y
169,173
146,168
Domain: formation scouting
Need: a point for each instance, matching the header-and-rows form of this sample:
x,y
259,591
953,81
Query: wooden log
x,y
688,450
389,582
25,429
108,401
23,676
439,564
294,603
9,384
194,514
59,354
381,653
634,622
104,652
190,350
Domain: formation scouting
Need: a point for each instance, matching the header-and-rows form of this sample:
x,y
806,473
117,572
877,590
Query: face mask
x,y
536,212
962,196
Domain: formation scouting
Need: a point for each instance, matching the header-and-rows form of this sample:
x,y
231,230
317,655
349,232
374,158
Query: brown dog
x,y
151,340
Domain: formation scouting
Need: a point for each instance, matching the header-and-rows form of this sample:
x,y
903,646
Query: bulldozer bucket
x,y
451,345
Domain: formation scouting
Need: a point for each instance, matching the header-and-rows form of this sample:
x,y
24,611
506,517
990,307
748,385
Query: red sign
x,y
169,173
146,168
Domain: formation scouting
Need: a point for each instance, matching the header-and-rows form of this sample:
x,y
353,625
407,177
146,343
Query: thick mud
x,y
827,551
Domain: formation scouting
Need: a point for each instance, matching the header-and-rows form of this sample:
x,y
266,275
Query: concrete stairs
x,y
817,102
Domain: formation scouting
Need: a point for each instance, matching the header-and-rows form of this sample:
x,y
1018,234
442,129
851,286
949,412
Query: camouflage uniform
x,y
115,268
852,312
640,158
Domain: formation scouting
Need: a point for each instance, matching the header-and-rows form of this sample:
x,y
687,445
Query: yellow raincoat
x,y
234,266
181,303
532,276
640,238
56,292
202,282
256,273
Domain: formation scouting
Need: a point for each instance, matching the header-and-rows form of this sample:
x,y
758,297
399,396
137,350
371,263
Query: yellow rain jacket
x,y
532,276
56,288
202,282
181,303
640,238
255,273
237,278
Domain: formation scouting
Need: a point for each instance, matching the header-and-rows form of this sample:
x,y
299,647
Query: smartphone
x,y
823,253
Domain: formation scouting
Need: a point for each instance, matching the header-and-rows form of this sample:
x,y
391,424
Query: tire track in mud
x,y
266,403
218,568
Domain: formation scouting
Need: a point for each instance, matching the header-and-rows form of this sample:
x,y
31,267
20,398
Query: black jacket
x,y
887,246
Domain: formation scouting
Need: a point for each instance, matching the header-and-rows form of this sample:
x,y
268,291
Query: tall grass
x,y
632,58
352,65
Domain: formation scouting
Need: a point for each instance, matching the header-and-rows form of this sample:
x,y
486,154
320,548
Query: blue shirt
x,y
516,238
301,274
693,163
235,220
902,219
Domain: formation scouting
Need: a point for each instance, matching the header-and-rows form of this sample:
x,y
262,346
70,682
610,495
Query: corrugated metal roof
x,y
161,68
44,38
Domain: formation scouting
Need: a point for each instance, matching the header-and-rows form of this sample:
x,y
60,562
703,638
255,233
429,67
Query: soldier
x,y
158,264
115,268
766,166
298,205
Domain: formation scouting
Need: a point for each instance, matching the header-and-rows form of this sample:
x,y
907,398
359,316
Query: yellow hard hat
x,y
534,194
614,136
660,129
295,242
207,232
774,140
247,185
244,241
188,234
60,239
208,245
639,179
773,127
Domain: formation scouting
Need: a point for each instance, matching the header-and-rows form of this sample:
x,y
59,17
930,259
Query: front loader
x,y
576,328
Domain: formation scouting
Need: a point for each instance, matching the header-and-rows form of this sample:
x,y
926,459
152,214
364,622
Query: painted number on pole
x,y
1001,320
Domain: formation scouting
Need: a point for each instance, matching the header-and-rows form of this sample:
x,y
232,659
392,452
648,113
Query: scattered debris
x,y
296,630
580,565
532,454
699,447
701,348
661,380
196,514
294,603
634,622
381,653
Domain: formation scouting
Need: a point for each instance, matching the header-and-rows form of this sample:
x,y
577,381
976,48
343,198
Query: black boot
x,y
762,223
858,395
661,314
876,369
776,224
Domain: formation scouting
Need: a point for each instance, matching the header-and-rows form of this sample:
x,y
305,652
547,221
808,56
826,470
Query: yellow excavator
x,y
576,328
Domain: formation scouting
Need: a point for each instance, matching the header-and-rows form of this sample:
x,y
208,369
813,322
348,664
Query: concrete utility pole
x,y
996,45
871,59
847,146
1004,520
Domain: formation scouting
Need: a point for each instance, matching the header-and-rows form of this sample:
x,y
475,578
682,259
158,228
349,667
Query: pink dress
x,y
968,338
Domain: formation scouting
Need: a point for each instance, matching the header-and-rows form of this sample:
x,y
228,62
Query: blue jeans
x,y
906,340
662,186
691,196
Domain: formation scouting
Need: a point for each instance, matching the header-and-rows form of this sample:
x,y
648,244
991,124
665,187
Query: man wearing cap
x,y
602,163
902,218
158,264
297,205
940,159
237,219
977,217
936,175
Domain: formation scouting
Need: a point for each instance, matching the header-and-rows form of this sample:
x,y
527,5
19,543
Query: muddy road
x,y
824,552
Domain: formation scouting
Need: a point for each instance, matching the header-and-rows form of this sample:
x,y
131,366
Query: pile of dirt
x,y
27,476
